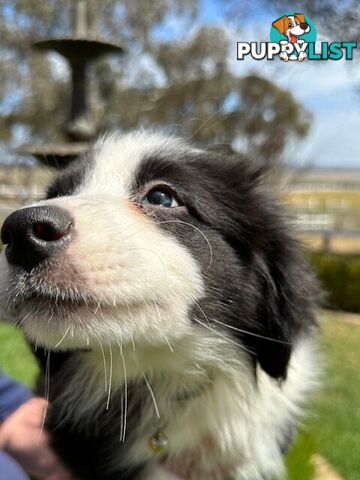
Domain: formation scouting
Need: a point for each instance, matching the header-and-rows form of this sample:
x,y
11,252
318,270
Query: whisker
x,y
157,328
132,319
152,396
199,231
168,343
121,413
222,120
46,394
239,329
122,436
104,361
250,333
23,320
204,123
68,414
229,340
160,318
110,378
63,337
202,311
132,342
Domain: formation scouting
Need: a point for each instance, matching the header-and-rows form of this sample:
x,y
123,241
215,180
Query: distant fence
x,y
19,192
315,221
322,187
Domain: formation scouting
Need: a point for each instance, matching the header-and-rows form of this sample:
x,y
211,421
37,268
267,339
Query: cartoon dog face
x,y
292,26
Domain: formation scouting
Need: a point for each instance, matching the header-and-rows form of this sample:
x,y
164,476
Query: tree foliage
x,y
337,19
176,73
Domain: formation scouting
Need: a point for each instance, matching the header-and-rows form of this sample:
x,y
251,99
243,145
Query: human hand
x,y
21,436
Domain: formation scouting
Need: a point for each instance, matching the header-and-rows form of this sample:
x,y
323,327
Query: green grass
x,y
15,356
333,428
298,461
336,423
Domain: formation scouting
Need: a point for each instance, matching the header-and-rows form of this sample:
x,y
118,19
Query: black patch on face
x,y
258,286
71,178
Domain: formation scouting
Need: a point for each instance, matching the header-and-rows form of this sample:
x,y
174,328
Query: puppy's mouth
x,y
61,301
37,298
59,319
39,301
50,287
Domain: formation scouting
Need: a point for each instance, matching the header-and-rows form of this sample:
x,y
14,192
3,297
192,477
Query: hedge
x,y
340,278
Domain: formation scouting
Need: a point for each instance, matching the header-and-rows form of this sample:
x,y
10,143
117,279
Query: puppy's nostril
x,y
6,236
304,26
34,234
48,232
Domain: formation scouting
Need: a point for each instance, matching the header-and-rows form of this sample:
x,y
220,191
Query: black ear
x,y
285,307
274,292
276,325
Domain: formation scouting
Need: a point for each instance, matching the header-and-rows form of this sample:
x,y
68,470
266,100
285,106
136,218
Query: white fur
x,y
117,157
242,418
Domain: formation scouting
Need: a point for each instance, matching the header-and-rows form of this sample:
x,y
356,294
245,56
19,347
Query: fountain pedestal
x,y
80,50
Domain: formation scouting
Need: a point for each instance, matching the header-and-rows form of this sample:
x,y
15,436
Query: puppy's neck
x,y
168,375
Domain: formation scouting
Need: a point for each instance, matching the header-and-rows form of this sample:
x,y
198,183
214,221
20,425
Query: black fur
x,y
258,280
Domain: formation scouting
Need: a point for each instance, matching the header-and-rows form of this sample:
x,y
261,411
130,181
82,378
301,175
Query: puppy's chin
x,y
53,324
61,338
62,325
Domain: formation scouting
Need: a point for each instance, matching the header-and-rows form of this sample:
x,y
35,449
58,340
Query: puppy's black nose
x,y
34,234
304,26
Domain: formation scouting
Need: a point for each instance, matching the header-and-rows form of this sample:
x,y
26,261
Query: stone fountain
x,y
80,50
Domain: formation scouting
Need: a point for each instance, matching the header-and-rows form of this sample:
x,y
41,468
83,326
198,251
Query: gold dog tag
x,y
159,443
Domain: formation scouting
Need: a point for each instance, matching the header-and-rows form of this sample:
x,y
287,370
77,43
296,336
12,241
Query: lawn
x,y
333,429
15,356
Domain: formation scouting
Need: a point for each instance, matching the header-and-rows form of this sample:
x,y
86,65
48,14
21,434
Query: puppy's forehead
x,y
118,159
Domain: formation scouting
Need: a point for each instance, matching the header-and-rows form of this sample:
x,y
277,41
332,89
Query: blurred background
x,y
172,64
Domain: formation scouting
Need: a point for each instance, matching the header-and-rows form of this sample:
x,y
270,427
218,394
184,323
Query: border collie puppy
x,y
171,310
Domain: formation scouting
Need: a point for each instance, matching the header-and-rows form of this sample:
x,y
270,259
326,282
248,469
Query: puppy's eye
x,y
161,197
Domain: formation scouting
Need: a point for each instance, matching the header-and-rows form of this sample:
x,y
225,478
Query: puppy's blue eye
x,y
162,198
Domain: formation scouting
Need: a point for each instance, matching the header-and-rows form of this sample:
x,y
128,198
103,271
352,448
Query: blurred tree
x,y
338,20
176,72
335,20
